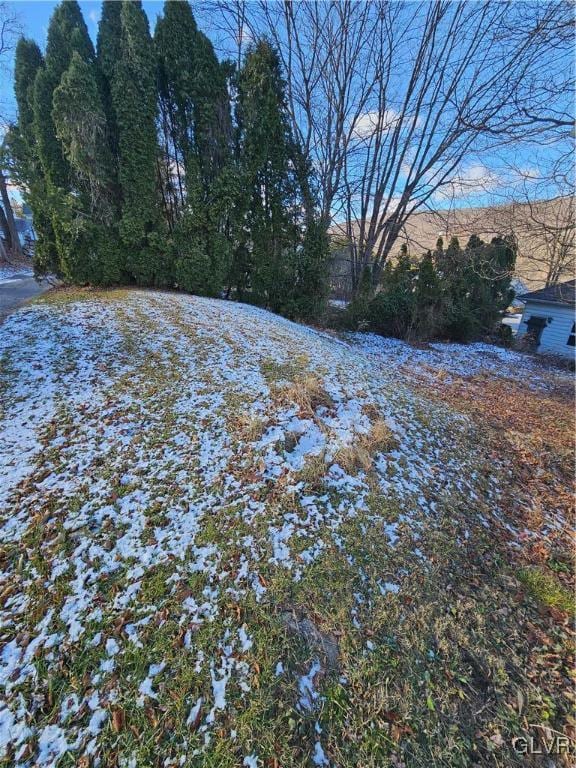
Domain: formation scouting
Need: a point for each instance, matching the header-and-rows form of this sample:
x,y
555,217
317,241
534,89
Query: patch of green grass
x,y
273,370
546,589
67,295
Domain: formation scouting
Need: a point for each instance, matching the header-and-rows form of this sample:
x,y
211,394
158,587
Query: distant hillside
x,y
545,232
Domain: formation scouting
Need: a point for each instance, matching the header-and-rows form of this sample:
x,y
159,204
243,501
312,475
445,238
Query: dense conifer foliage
x,y
453,293
151,162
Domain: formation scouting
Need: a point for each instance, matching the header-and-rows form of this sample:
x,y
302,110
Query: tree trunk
x,y
7,242
2,248
10,221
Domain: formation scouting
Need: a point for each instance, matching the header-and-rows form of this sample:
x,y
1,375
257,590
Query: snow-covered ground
x,y
458,360
212,448
9,271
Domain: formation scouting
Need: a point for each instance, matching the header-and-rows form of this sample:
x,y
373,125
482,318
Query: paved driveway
x,y
16,289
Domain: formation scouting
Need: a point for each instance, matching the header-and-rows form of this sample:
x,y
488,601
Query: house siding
x,y
554,339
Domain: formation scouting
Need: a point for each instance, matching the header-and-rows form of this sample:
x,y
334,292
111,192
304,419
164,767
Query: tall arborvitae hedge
x,y
284,248
67,34
133,90
175,41
22,146
135,172
457,294
107,56
195,127
81,127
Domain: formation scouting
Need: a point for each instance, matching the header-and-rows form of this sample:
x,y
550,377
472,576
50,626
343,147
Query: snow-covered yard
x,y
227,535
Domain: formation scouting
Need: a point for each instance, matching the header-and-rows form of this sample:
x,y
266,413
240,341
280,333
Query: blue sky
x,y
483,178
34,18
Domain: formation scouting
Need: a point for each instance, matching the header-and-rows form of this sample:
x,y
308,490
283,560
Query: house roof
x,y
562,293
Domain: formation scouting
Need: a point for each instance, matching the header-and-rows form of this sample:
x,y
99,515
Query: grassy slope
x,y
231,540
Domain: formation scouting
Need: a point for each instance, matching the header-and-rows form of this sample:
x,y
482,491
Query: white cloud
x,y
528,175
94,16
471,179
371,122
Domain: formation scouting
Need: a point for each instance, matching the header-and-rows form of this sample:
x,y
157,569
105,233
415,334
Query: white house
x,y
549,319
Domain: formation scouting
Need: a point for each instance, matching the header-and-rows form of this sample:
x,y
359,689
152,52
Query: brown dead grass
x,y
246,426
360,455
308,393
314,472
532,434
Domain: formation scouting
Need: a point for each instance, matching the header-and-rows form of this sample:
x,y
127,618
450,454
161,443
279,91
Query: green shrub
x,y
454,294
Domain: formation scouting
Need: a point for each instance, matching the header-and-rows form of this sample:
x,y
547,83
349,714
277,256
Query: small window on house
x,y
572,338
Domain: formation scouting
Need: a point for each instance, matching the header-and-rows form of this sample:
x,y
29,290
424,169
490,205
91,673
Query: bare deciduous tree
x,y
550,229
390,100
11,237
541,214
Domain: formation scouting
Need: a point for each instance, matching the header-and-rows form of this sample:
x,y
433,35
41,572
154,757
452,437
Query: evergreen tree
x,y
212,119
22,150
175,43
474,243
274,205
107,55
310,290
133,94
194,86
311,286
54,166
438,253
81,127
428,319
489,268
184,205
195,126
86,149
392,310
453,255
476,285
67,32
28,61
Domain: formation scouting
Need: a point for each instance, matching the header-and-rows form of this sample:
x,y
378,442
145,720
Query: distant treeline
x,y
148,161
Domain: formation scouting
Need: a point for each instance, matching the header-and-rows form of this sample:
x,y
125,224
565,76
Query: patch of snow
x,y
308,694
194,712
145,688
8,272
52,744
319,757
245,640
99,717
